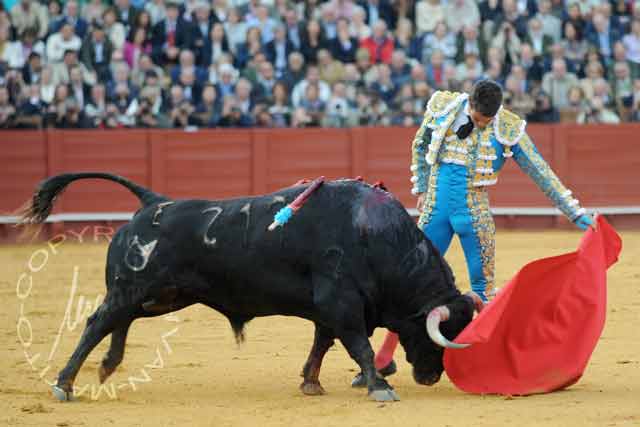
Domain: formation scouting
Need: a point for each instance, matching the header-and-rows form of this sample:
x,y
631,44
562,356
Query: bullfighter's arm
x,y
531,162
419,166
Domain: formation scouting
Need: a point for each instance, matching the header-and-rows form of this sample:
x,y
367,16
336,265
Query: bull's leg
x,y
99,324
115,354
360,350
323,340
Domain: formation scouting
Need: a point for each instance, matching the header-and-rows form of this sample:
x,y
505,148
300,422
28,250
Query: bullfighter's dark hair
x,y
486,97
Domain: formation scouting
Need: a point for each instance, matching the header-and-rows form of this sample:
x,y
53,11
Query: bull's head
x,y
425,349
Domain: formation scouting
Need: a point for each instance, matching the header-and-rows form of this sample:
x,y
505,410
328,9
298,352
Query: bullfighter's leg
x,y
115,354
323,340
438,229
99,324
477,236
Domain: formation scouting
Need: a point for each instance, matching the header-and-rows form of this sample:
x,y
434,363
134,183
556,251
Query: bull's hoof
x,y
104,373
359,381
312,389
61,394
384,395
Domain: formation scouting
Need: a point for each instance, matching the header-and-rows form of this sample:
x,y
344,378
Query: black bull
x,y
350,260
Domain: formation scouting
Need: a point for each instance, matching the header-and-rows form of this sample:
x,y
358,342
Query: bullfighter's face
x,y
479,119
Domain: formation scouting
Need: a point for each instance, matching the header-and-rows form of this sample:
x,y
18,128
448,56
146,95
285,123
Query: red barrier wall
x,y
599,163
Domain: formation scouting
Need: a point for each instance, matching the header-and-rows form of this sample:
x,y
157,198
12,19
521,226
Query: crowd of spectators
x,y
336,63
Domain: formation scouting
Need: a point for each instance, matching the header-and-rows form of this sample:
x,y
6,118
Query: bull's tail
x,y
39,208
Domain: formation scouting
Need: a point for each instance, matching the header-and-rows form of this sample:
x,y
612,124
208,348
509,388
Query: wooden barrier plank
x,y
208,164
603,163
23,164
294,154
389,160
121,152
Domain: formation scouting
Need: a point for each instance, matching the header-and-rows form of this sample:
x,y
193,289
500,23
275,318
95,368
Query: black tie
x,y
465,130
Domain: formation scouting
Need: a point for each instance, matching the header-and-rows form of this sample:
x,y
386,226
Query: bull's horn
x,y
477,301
437,315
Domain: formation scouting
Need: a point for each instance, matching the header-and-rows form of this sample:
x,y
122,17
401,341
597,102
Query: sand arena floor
x,y
186,369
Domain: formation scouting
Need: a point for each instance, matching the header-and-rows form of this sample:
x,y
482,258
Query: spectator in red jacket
x,y
379,44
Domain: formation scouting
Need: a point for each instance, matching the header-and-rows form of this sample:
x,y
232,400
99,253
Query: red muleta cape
x,y
539,332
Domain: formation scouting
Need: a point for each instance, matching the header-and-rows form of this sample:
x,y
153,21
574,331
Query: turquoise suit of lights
x,y
454,174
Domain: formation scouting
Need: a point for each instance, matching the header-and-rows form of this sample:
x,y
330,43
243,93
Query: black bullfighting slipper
x,y
360,381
